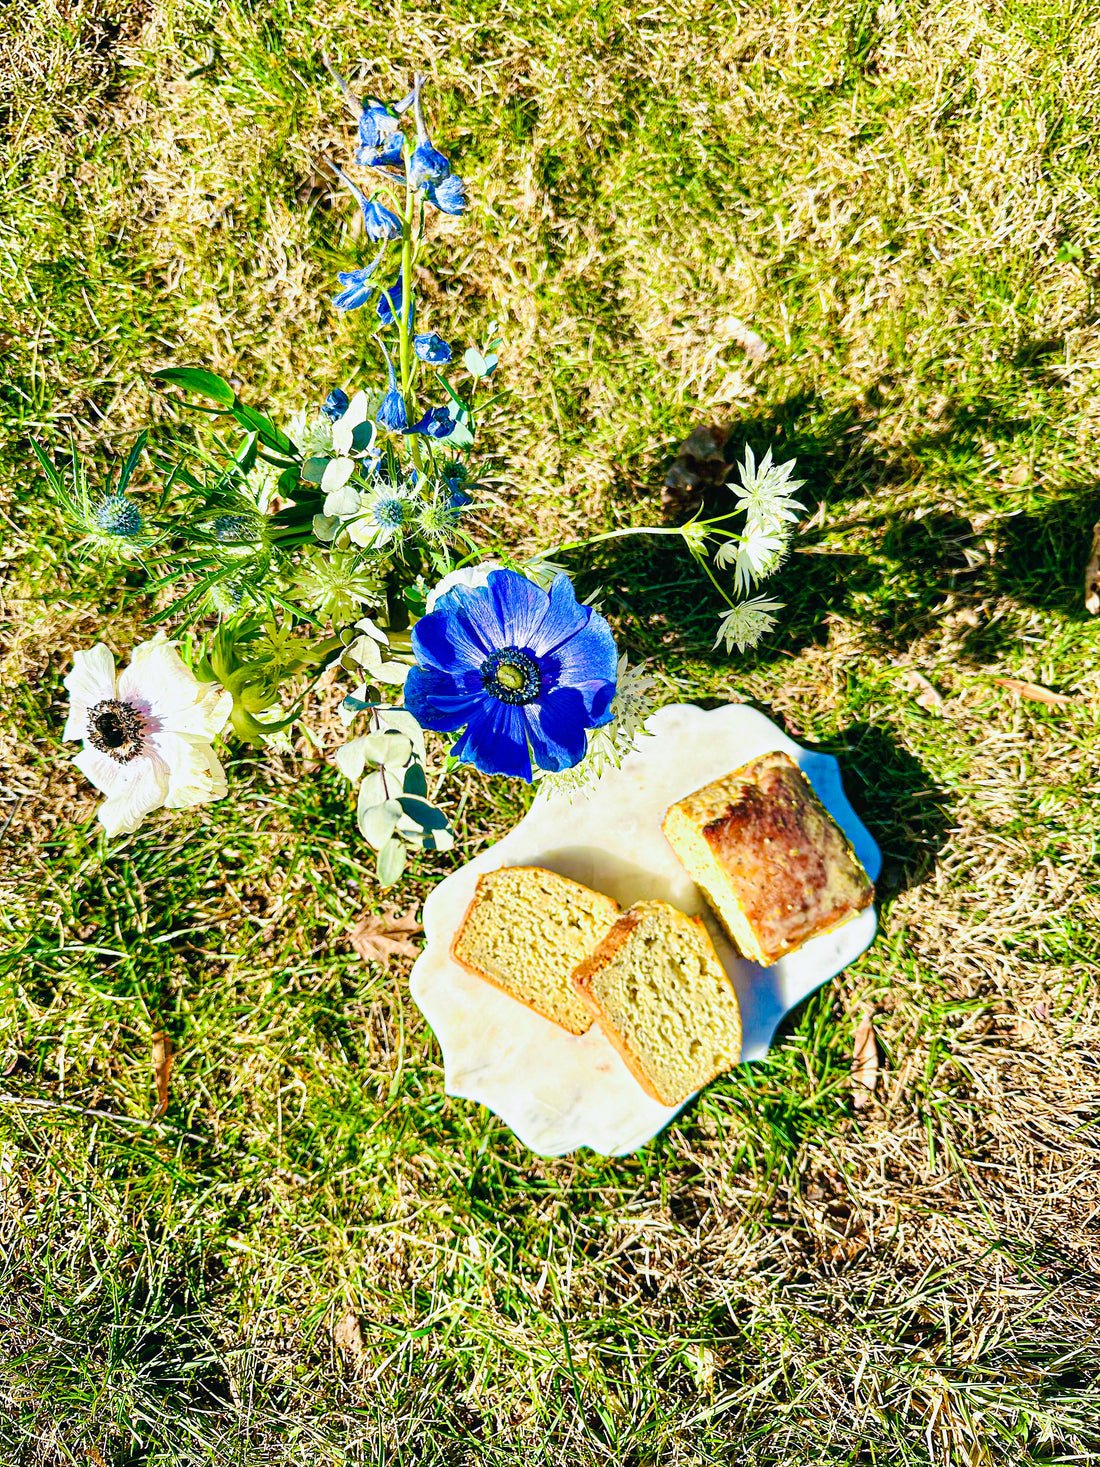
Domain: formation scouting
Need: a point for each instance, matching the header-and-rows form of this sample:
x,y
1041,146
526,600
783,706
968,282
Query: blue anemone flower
x,y
357,285
378,221
392,412
432,348
389,304
449,196
525,671
335,404
436,423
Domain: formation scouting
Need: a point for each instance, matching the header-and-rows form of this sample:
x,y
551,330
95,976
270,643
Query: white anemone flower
x,y
147,732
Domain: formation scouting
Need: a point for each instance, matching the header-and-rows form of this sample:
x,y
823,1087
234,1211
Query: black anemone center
x,y
511,675
116,729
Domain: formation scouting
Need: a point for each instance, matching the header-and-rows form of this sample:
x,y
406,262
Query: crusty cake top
x,y
788,861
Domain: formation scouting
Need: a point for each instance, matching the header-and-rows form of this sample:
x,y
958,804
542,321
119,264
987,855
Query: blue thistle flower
x,y
436,423
432,349
449,196
335,404
392,412
378,221
118,515
525,671
427,164
390,303
357,285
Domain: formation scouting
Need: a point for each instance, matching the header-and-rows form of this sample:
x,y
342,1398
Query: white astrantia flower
x,y
755,554
147,732
312,432
766,491
608,746
743,625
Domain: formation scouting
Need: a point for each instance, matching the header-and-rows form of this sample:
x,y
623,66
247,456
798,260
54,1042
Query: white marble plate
x,y
558,1091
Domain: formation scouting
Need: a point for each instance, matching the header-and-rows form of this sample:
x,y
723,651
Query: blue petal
x,y
432,348
439,702
565,616
392,413
335,404
555,725
496,741
521,607
449,196
380,223
436,423
444,638
427,165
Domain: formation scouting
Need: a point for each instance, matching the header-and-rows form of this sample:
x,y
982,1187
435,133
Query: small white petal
x,y
206,717
132,789
92,678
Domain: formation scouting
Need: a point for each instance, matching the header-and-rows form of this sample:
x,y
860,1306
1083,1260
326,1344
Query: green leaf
x,y
131,461
391,863
52,476
257,422
195,379
416,782
475,363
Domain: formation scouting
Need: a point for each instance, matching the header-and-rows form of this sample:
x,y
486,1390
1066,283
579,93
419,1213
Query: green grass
x,y
902,202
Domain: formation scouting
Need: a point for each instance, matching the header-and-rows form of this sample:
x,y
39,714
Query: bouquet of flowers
x,y
352,538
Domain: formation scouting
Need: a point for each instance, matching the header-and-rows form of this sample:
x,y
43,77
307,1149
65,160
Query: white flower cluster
x,y
766,495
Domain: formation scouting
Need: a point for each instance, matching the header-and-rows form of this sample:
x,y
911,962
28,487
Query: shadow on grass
x,y
891,568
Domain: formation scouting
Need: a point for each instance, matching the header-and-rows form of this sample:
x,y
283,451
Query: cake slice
x,y
657,990
771,860
526,930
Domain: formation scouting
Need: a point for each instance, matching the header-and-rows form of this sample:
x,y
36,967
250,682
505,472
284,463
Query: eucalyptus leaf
x,y
475,363
438,840
391,863
416,782
405,723
392,750
351,758
425,815
378,823
393,673
376,789
313,470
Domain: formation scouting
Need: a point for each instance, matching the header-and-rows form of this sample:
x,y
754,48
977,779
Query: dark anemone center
x,y
512,676
116,729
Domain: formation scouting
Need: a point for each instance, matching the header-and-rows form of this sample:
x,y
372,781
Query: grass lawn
x,y
318,1258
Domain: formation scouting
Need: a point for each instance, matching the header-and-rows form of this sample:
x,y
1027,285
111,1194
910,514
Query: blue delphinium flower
x,y
449,196
392,412
380,140
525,671
436,423
357,284
427,164
378,221
390,301
432,348
335,404
458,498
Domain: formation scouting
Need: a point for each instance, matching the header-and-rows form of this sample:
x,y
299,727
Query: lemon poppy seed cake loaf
x,y
771,860
657,990
525,931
